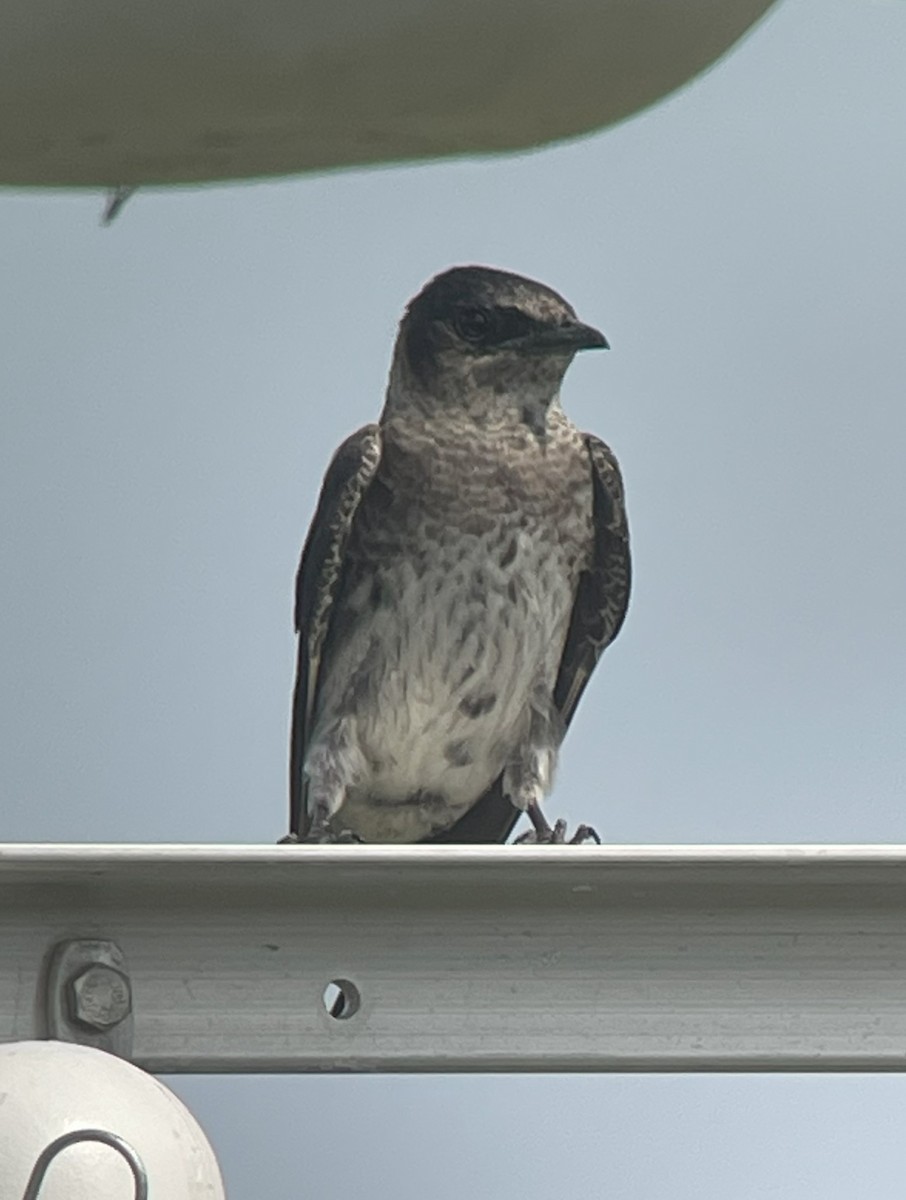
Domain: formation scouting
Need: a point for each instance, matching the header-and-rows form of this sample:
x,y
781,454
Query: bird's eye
x,y
472,324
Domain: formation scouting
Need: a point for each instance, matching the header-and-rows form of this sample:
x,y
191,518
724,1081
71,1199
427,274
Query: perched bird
x,y
466,566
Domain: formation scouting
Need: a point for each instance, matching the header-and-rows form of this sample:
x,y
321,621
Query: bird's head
x,y
482,337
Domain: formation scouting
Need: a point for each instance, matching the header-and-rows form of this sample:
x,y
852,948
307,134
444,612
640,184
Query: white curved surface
x,y
50,1088
97,93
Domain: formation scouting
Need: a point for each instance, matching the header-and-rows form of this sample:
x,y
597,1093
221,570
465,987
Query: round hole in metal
x,y
342,999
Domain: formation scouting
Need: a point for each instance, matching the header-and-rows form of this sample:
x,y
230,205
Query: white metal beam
x,y
632,958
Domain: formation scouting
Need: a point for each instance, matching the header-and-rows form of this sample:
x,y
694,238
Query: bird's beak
x,y
565,339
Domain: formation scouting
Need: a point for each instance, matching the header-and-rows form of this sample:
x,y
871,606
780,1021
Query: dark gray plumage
x,y
467,564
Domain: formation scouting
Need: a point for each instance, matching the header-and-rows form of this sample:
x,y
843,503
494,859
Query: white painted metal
x,y
479,959
99,93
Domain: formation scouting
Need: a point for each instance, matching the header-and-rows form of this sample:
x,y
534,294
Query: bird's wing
x,y
320,574
602,596
600,606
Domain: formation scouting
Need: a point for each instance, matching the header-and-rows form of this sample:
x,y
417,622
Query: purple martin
x,y
467,564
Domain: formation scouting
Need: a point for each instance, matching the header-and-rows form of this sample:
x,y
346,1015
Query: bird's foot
x,y
334,837
544,834
322,835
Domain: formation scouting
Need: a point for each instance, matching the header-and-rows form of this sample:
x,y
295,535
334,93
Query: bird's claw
x,y
585,833
343,837
322,836
556,836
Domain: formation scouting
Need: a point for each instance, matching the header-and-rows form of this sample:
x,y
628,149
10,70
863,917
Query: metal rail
x,y
354,958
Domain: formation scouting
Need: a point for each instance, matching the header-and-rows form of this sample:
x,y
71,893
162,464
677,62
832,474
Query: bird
x,y
467,564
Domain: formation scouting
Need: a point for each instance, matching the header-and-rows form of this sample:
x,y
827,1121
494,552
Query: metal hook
x,y
49,1153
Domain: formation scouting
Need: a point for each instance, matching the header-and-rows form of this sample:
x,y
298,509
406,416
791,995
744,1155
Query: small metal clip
x,y
49,1153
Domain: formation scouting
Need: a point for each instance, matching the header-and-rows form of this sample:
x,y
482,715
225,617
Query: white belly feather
x,y
453,663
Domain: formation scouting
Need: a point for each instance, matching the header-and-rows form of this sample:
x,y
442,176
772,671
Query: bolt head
x,y
100,997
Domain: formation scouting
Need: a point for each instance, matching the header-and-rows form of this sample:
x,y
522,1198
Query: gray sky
x,y
173,387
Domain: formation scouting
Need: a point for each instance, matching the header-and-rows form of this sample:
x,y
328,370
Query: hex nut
x,y
100,997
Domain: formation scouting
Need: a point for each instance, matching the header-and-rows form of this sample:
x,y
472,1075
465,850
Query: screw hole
x,y
342,999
